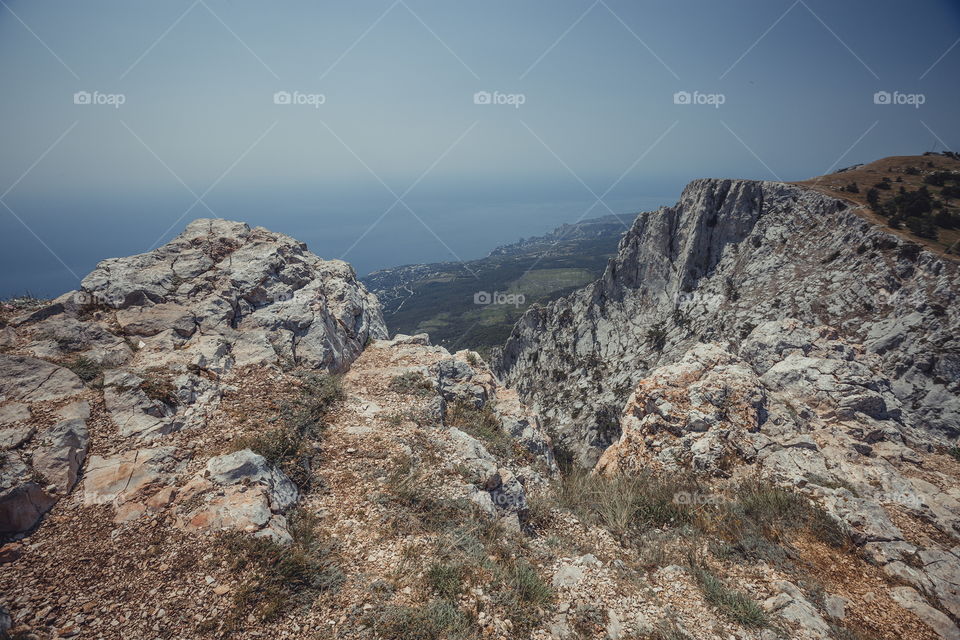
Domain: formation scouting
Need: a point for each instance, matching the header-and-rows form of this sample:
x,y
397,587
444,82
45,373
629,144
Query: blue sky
x,y
199,133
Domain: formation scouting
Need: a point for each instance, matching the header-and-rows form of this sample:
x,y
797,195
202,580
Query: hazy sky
x,y
199,132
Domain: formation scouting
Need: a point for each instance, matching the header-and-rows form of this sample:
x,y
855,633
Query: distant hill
x,y
448,301
918,197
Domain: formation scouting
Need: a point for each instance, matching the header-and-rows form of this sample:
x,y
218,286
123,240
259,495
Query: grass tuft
x,y
289,446
438,620
482,424
279,577
735,605
411,383
158,385
626,503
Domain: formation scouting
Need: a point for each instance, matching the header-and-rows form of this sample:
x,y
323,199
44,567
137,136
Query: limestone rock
x,y
31,380
240,491
912,601
119,478
22,501
60,455
246,467
730,256
223,283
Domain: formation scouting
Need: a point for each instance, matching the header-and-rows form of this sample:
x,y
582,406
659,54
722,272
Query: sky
x,y
387,132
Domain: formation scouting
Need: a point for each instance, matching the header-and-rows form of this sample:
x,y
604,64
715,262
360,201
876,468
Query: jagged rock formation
x,y
730,256
164,327
812,411
759,327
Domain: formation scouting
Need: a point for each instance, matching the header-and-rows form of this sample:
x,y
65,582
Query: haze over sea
x,y
333,226
443,128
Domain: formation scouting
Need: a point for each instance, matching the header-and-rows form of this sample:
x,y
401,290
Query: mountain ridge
x,y
741,429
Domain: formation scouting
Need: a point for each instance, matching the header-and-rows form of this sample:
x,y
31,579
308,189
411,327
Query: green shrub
x,y
657,336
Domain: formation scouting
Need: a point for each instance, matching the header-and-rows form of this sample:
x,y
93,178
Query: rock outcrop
x,y
730,256
158,331
43,438
760,328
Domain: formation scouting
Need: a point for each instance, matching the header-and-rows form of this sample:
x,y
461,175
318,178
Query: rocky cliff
x,y
760,329
205,438
158,332
215,440
730,256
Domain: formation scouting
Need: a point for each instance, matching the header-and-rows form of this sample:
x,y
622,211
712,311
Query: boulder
x,y
246,467
22,500
118,478
61,452
30,380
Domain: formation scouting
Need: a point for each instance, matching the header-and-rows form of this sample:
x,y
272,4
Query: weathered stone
x,y
912,601
119,478
22,501
716,267
568,575
60,455
247,467
31,380
260,292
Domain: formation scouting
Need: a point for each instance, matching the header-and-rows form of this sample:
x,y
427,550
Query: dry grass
x,y
279,577
482,424
894,167
303,422
158,385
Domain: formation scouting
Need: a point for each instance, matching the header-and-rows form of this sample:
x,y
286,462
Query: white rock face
x,y
36,469
762,327
162,328
222,279
728,257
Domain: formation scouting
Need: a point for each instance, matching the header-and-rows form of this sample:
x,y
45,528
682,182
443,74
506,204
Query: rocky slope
x,y
762,328
216,440
728,257
158,332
